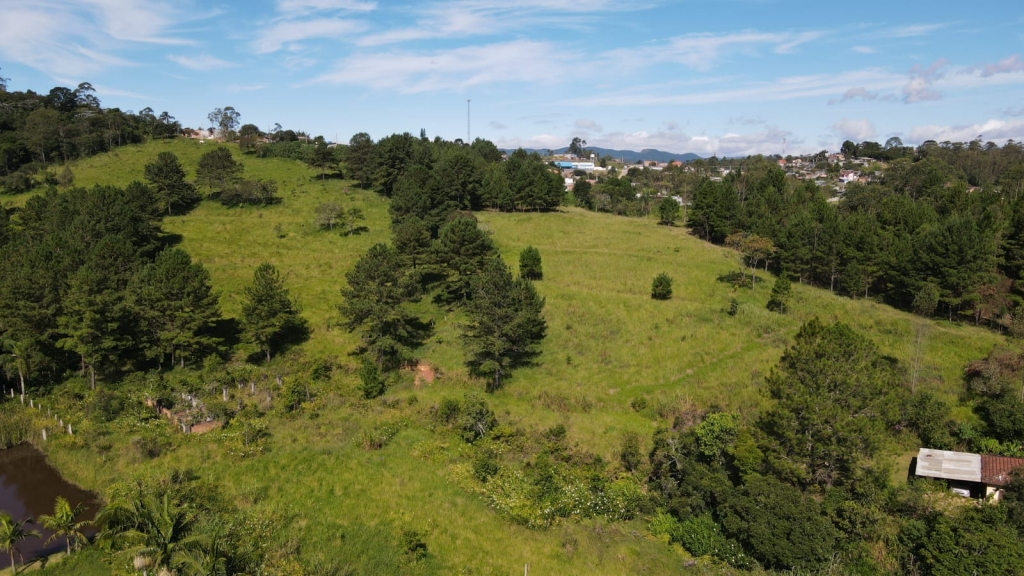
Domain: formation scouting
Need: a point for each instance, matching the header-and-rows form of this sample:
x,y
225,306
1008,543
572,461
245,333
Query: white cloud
x,y
863,94
204,62
911,31
992,130
137,20
1007,65
919,87
864,50
244,87
587,125
276,36
856,130
454,69
497,125
767,141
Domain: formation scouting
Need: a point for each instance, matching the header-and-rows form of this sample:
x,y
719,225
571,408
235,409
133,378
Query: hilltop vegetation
x,y
550,469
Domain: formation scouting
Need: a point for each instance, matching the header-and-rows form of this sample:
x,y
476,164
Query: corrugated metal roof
x,y
949,465
995,470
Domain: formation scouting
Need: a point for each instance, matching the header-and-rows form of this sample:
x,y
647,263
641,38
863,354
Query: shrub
x,y
530,264
475,418
370,382
630,456
485,464
414,546
779,301
661,288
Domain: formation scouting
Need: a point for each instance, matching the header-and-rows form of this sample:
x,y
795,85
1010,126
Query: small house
x,y
971,475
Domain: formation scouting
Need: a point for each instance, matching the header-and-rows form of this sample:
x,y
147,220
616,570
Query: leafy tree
x,y
252,192
777,525
583,192
835,398
350,221
167,177
779,300
176,306
66,178
661,287
327,214
373,301
11,533
754,248
62,523
217,169
976,540
668,212
322,158
149,526
926,300
269,315
226,120
530,264
576,147
462,250
505,323
248,135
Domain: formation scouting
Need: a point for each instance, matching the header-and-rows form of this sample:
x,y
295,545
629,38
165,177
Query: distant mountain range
x,y
628,156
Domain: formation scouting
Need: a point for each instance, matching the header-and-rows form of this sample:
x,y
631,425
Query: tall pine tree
x,y
269,315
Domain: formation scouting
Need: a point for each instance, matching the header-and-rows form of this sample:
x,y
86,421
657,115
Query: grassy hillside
x,y
608,343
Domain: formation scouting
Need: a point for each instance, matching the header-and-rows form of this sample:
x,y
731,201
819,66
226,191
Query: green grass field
x,y
607,344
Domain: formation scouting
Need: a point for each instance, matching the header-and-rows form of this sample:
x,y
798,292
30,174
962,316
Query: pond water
x,y
28,488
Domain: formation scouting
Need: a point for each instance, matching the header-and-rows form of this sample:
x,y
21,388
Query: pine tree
x,y
530,264
505,323
268,314
373,301
217,169
462,250
370,382
668,212
176,306
661,287
167,177
779,301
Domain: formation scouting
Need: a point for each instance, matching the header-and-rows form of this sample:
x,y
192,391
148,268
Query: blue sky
x,y
708,76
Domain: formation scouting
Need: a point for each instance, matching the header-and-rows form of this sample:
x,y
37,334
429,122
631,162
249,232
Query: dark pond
x,y
28,488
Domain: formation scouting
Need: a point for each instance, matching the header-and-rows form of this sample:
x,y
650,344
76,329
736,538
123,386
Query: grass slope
x,y
607,344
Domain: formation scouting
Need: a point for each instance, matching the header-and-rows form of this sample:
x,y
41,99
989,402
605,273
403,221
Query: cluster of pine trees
x,y
921,238
89,281
39,131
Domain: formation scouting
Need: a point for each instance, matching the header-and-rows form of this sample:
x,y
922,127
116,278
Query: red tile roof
x,y
995,470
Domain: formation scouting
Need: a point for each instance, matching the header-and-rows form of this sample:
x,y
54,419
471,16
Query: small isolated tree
x,y
661,288
529,264
755,249
668,212
370,382
66,178
217,169
62,523
269,315
350,220
11,533
926,300
779,301
505,323
167,177
322,158
327,215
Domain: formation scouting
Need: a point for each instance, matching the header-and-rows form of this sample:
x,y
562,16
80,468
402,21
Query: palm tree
x,y
62,523
208,560
148,527
12,532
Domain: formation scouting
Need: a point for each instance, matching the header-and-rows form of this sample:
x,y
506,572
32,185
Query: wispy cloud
x,y
1014,112
299,7
702,51
244,87
464,18
454,69
587,125
920,87
75,39
911,30
864,49
994,130
497,125
203,62
276,36
862,94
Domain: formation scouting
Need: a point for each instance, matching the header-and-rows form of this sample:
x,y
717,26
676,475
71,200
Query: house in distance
x,y
971,475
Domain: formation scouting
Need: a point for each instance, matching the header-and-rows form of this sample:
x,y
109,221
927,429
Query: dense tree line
x,y
804,486
923,238
39,131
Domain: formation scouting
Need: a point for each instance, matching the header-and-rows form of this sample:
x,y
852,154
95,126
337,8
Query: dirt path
x,y
424,374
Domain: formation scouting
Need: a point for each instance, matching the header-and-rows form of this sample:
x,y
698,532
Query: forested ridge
x,y
106,318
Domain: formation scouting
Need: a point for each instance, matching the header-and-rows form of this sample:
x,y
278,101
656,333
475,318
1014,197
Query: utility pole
x,y
468,132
